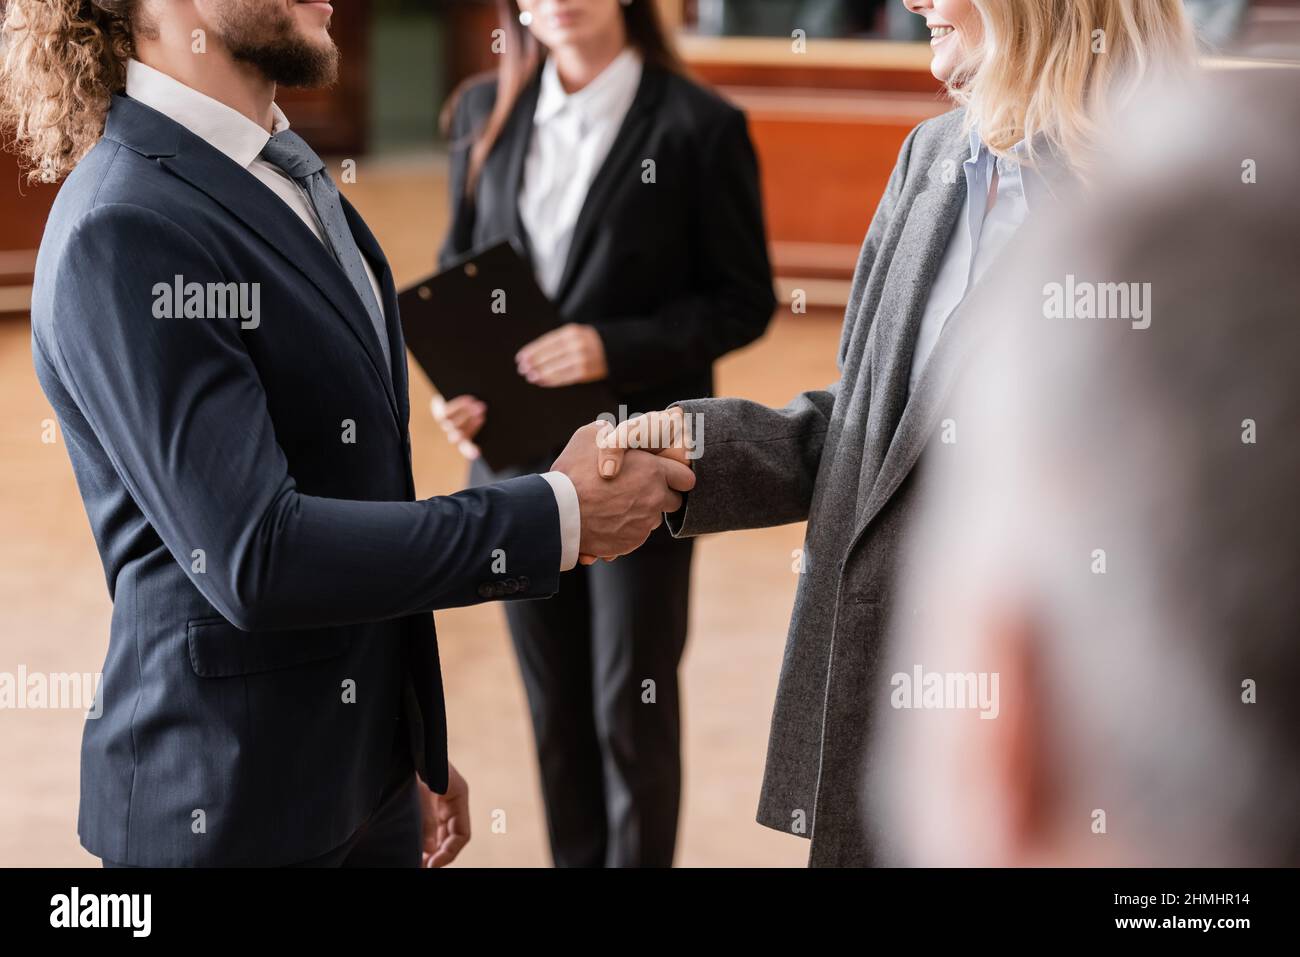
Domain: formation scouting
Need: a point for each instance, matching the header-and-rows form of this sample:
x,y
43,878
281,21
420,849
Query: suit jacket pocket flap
x,y
220,650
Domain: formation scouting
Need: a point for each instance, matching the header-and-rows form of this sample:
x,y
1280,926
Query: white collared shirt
x,y
572,136
230,132
979,237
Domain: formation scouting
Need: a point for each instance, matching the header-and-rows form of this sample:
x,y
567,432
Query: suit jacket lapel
x,y
186,156
515,137
621,163
370,249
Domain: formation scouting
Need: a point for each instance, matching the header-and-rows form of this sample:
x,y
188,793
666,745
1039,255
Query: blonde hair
x,y
1051,72
60,63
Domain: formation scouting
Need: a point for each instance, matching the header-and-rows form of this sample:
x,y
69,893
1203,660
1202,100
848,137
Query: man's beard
x,y
271,44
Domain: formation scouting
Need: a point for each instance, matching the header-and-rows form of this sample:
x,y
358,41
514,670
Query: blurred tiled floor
x,y
54,608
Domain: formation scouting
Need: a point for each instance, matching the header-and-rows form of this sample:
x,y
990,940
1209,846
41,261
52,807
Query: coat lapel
x,y
621,162
931,218
183,154
930,222
921,416
918,412
968,325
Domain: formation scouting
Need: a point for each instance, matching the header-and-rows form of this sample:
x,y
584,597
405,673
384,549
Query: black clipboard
x,y
464,326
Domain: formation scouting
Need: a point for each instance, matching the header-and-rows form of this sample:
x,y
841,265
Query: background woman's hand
x,y
568,355
461,419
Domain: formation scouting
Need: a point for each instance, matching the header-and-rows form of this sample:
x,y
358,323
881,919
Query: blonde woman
x,y
1034,82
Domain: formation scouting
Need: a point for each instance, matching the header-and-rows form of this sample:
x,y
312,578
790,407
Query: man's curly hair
x,y
60,63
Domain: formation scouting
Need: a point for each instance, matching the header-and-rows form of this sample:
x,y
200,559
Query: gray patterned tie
x,y
290,152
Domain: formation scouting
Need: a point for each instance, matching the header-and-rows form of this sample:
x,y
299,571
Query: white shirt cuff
x,y
566,500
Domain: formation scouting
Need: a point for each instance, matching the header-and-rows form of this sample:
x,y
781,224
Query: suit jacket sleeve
x,y
757,465
735,299
180,410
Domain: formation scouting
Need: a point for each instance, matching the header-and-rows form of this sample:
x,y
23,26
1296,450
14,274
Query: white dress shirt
x,y
229,132
572,136
239,138
978,238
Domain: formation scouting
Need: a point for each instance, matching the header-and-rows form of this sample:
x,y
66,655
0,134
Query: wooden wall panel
x,y
825,160
468,43
336,120
23,209
823,172
827,126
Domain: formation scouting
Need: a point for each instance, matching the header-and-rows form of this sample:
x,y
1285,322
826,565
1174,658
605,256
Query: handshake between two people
x,y
627,477
623,489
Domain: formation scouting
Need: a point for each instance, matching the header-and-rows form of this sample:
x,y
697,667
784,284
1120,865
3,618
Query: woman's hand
x,y
461,419
664,433
568,355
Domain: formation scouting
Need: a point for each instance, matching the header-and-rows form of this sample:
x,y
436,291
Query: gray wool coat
x,y
845,459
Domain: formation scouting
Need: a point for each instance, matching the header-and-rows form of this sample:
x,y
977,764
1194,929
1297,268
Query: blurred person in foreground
x,y
1113,533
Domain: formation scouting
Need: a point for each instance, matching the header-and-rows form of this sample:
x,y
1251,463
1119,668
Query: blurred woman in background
x,y
635,193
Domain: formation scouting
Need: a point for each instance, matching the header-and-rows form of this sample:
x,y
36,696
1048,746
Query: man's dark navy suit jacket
x,y
249,488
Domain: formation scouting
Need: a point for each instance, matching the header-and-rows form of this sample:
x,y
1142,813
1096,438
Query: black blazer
x,y
674,273
256,560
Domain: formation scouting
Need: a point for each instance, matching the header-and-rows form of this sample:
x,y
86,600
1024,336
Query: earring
x,y
525,18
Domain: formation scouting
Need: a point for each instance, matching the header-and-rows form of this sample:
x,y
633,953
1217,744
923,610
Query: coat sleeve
x,y
757,465
180,410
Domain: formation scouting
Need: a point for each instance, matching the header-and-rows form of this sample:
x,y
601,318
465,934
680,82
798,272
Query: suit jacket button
x,y
485,590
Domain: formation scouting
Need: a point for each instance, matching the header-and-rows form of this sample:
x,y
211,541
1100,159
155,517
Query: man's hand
x,y
445,820
619,514
661,432
568,355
